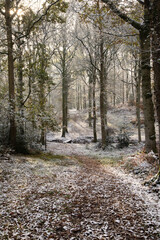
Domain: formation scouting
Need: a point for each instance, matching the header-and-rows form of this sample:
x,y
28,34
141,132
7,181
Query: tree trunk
x,y
64,95
42,109
84,98
42,98
12,133
123,89
114,84
102,95
156,60
64,105
138,96
127,88
150,138
144,30
132,84
81,96
94,107
77,95
90,101
20,88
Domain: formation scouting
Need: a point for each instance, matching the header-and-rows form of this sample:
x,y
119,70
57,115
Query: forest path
x,y
107,208
58,197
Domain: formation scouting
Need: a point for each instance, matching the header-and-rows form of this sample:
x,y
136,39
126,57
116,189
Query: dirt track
x,y
71,198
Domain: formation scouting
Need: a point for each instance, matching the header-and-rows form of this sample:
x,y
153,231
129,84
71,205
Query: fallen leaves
x,y
78,201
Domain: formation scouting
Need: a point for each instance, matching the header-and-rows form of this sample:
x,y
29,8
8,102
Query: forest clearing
x,y
80,119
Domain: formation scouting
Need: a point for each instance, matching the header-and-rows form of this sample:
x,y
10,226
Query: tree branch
x,y
15,13
141,2
29,92
90,57
38,20
4,53
3,13
122,15
121,35
53,89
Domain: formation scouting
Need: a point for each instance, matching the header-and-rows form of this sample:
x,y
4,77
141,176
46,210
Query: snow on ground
x,y
117,118
78,128
72,198
72,195
151,200
72,149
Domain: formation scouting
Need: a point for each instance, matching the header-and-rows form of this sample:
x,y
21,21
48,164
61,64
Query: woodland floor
x,y
57,197
79,192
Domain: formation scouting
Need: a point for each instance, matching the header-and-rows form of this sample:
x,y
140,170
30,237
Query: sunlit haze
x,y
19,12
35,4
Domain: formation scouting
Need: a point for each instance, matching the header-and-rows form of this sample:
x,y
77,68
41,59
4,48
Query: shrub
x,y
123,139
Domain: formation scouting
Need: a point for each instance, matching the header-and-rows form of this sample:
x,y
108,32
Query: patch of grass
x,y
112,161
49,156
60,160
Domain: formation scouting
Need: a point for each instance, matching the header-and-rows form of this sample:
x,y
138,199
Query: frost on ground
x,y
72,195
78,128
90,150
55,197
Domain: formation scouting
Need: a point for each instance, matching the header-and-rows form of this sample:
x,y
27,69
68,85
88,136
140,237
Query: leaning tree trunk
x,y
150,138
12,133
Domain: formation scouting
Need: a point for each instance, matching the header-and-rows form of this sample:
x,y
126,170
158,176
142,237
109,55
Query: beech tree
x,y
144,36
95,15
16,35
6,12
155,23
65,48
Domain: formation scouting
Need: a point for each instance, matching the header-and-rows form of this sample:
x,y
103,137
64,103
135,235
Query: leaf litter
x,y
76,199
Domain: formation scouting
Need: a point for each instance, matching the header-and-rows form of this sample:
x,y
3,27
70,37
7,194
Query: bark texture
x,y
138,98
150,136
90,99
150,143
8,19
20,86
64,93
156,58
94,107
102,95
